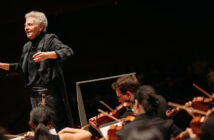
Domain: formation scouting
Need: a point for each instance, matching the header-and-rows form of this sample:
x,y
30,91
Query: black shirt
x,y
54,137
207,128
167,127
33,76
128,112
161,112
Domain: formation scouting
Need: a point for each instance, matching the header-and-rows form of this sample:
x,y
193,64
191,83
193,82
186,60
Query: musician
x,y
41,64
202,103
145,107
206,128
125,87
144,133
41,123
163,106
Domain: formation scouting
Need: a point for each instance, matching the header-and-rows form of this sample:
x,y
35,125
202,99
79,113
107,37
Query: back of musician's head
x,y
148,89
144,133
40,119
126,83
148,100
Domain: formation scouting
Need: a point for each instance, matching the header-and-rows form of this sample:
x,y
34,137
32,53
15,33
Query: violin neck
x,y
187,108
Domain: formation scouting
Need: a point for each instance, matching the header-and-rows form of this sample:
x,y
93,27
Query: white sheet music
x,y
104,129
18,138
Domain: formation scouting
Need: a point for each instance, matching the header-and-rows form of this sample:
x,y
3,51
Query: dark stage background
x,y
168,44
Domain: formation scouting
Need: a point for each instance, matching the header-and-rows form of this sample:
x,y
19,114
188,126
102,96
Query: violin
x,y
128,119
111,134
200,103
26,136
195,123
195,126
102,118
172,112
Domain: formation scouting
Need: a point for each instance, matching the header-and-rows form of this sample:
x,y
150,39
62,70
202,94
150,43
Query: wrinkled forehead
x,y
31,20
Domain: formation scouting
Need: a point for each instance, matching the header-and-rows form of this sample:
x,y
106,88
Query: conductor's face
x,y
32,28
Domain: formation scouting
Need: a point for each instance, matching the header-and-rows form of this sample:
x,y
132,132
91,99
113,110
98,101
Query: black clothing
x,y
55,106
128,112
165,126
161,112
55,137
33,76
207,128
47,73
49,70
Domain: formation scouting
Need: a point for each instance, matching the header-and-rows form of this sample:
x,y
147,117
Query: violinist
x,y
163,106
41,123
207,130
124,88
145,107
202,103
145,133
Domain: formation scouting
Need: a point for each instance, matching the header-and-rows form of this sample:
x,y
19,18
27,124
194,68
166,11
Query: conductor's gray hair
x,y
40,17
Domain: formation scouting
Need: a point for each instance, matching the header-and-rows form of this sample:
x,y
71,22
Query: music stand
x,y
80,104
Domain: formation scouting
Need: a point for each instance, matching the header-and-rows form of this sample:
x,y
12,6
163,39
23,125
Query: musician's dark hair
x,y
148,100
40,117
126,83
148,89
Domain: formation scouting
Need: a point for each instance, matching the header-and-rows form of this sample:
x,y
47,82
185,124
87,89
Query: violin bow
x,y
106,105
203,91
210,111
85,126
187,108
110,116
10,135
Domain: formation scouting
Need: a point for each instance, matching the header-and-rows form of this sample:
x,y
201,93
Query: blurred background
x,y
169,44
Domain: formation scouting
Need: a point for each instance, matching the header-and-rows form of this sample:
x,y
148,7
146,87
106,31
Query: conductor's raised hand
x,y
41,56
